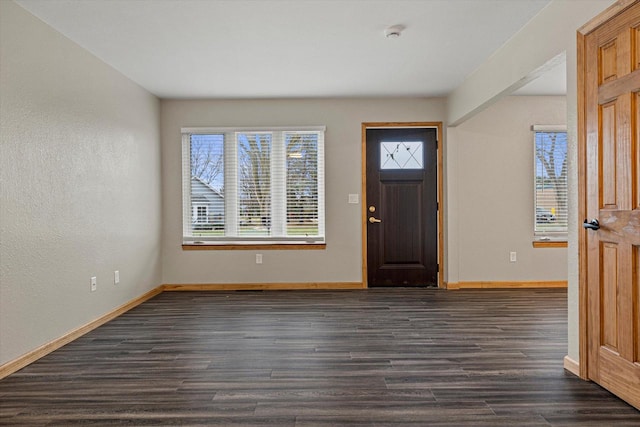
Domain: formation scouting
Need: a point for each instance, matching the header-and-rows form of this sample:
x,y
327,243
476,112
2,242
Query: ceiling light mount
x,y
394,31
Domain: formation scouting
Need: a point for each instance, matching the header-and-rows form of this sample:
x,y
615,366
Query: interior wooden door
x,y
402,199
612,115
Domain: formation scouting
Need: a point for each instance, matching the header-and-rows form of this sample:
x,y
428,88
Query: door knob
x,y
373,220
591,225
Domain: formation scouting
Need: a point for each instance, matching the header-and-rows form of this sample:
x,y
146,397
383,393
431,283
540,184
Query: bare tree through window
x,y
254,183
551,181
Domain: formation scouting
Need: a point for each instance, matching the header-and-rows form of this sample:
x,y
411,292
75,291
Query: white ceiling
x,y
289,48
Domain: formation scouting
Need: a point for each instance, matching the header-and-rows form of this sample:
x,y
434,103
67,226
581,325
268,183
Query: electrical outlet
x,y
94,284
513,257
258,258
116,277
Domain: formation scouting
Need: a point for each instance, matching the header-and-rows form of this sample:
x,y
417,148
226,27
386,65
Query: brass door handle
x,y
373,220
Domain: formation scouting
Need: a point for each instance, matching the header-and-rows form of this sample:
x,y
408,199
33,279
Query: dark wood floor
x,y
402,357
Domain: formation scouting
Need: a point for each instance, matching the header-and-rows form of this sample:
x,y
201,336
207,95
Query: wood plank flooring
x,y
377,357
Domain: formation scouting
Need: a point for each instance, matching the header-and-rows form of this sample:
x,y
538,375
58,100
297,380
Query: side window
x,y
550,181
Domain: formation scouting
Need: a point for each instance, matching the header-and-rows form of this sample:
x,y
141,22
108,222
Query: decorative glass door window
x,y
401,155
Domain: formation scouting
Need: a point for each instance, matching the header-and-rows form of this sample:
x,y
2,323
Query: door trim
x,y
583,294
440,149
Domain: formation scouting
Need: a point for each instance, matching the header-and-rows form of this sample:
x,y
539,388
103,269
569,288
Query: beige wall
x,y
494,175
80,185
341,261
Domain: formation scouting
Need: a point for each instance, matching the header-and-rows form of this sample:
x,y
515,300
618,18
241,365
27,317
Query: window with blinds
x,y
253,185
550,181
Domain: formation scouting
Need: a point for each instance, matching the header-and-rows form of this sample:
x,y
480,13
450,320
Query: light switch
x,y
354,199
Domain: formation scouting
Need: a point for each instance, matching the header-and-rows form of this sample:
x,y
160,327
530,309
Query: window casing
x,y
550,182
257,185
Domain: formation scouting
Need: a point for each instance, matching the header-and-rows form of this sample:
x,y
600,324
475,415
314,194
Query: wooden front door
x,y
611,76
402,207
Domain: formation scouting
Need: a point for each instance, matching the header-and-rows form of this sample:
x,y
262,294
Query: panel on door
x,y
612,83
402,208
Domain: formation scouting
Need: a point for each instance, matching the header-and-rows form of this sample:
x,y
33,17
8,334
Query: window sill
x,y
266,246
549,244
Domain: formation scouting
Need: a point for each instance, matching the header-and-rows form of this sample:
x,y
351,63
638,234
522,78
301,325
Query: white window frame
x,y
539,235
278,187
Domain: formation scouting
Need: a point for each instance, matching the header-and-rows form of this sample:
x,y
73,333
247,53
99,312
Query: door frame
x,y
583,294
440,222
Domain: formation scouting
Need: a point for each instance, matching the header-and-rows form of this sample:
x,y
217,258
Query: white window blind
x,y
253,185
550,181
